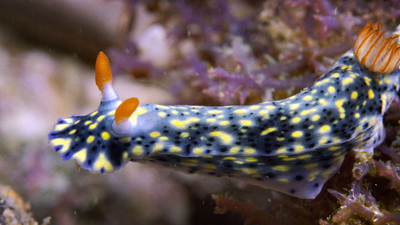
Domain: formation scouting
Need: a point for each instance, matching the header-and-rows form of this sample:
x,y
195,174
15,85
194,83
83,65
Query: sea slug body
x,y
293,145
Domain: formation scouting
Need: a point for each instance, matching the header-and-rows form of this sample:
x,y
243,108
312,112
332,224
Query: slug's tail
x,y
375,52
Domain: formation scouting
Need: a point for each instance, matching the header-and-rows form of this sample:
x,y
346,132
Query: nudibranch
x,y
292,145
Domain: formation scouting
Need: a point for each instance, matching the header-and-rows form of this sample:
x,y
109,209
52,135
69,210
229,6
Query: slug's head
x,y
100,141
375,52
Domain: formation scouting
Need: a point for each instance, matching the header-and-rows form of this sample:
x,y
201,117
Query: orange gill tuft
x,y
375,52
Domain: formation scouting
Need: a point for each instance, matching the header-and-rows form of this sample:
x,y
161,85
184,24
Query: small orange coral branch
x,y
377,53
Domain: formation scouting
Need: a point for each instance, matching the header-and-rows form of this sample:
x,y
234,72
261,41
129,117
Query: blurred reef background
x,y
215,52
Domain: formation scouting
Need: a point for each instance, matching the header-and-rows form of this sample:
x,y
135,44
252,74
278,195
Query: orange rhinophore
x,y
125,110
103,71
375,52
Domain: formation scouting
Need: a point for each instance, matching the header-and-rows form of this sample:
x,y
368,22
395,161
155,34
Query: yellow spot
x,y
339,104
297,134
100,118
314,91
157,147
80,156
198,151
288,159
111,112
333,148
86,123
93,126
281,168
323,140
249,171
311,165
263,112
224,123
315,117
245,122
281,150
312,175
296,120
154,134
65,143
184,134
304,156
307,98
311,127
357,115
280,138
105,135
210,120
234,150
283,118
209,166
323,102
269,130
325,128
354,95
127,139
174,112
72,131
249,150
298,148
102,162
163,138
162,114
214,111
304,112
370,94
240,111
331,89
225,137
343,67
367,80
184,123
251,159
294,106
61,127
94,113
347,81
175,149
229,158
90,139
220,116
253,107
270,107
189,164
283,181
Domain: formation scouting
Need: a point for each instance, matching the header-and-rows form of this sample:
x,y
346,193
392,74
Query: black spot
x,y
292,191
165,131
326,166
187,149
208,151
139,142
269,175
299,177
94,148
89,162
316,185
57,148
67,154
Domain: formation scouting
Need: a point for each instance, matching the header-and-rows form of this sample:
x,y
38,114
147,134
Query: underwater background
x,y
216,52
